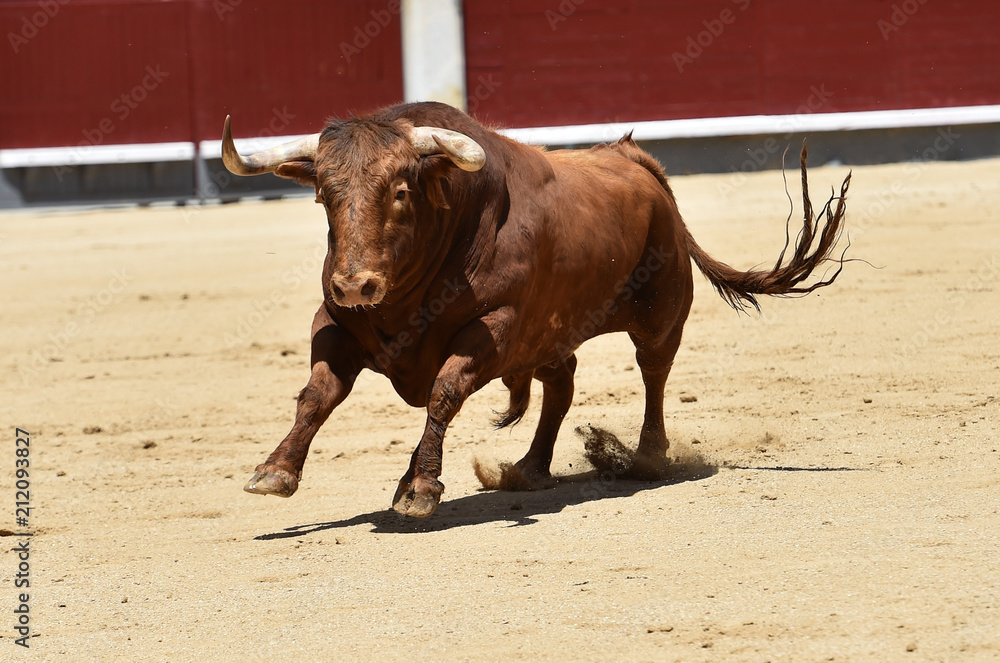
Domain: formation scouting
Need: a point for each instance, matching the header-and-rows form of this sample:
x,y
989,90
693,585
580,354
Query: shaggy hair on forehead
x,y
362,141
360,152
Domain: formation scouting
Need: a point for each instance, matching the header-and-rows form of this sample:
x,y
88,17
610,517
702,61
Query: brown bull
x,y
457,256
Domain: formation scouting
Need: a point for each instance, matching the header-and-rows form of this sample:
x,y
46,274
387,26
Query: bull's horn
x,y
464,152
301,149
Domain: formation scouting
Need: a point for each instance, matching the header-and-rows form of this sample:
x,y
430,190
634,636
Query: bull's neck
x,y
442,261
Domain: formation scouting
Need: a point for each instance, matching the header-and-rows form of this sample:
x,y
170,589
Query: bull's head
x,y
372,180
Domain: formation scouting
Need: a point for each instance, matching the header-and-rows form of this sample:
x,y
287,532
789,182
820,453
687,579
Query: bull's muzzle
x,y
360,289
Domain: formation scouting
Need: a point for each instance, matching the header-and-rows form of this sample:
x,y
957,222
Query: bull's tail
x,y
520,395
739,289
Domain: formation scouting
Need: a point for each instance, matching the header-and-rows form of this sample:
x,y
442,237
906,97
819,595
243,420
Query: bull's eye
x,y
401,194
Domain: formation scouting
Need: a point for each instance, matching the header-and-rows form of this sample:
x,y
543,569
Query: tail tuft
x,y
739,289
520,395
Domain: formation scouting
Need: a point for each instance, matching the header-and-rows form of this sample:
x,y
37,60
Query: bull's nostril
x,y
368,290
338,293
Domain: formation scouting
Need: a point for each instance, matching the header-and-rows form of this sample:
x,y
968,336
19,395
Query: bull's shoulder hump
x,y
591,160
607,165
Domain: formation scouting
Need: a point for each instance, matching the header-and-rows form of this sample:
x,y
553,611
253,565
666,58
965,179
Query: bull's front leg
x,y
334,361
473,356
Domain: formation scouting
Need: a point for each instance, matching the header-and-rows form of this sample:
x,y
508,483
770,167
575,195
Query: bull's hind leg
x,y
655,357
557,381
333,374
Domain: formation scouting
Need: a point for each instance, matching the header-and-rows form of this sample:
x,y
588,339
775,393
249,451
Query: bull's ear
x,y
435,189
303,172
434,180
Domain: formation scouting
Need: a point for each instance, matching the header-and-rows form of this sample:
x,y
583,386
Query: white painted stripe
x,y
94,154
750,125
582,134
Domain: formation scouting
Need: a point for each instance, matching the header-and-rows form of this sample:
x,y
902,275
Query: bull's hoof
x,y
648,468
270,480
518,477
533,477
417,498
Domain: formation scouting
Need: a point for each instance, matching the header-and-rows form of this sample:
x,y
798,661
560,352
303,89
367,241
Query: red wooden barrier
x,y
141,71
133,71
589,61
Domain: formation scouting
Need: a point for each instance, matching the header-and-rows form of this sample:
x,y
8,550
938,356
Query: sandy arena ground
x,y
842,502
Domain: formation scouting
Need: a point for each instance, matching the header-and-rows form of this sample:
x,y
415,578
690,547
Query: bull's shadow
x,y
517,508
